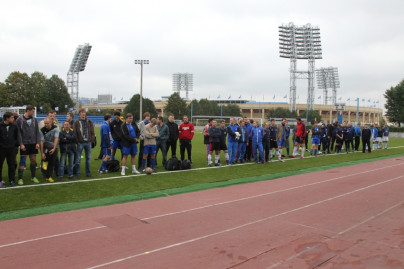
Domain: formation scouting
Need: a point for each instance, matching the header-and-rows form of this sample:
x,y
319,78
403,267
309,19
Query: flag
x,y
319,97
121,98
218,97
239,97
368,100
99,110
274,96
41,107
349,99
65,106
71,109
229,97
363,99
57,108
11,106
286,96
339,99
377,102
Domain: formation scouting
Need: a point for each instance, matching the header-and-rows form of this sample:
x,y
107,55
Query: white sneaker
x,y
123,173
134,171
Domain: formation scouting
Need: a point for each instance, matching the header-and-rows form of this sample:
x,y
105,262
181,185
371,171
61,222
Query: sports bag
x,y
185,164
173,164
113,166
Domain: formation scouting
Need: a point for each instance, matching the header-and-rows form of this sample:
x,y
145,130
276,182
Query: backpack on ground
x,y
113,165
173,164
185,164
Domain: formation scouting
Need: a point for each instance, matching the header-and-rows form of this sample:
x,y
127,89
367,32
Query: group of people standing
x,y
241,140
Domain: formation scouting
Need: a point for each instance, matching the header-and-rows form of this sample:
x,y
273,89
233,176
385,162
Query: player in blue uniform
x,y
106,143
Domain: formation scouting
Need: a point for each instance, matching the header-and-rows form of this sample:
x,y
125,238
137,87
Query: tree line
x,y
44,93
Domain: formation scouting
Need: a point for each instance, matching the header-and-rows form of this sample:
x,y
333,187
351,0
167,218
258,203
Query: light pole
x,y
141,62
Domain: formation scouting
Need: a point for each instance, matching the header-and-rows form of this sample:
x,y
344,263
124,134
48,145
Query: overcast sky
x,y
230,47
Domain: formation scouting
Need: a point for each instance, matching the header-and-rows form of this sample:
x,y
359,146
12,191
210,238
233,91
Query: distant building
x,y
104,99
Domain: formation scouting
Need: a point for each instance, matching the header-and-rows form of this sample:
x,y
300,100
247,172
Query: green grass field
x,y
42,199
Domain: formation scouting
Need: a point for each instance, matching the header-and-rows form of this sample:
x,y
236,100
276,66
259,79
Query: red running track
x,y
349,217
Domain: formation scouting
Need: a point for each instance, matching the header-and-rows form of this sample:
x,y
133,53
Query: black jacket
x,y
366,134
8,139
67,141
127,140
116,130
173,129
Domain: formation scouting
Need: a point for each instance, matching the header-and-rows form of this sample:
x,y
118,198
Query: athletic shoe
x,y
301,157
35,180
45,166
12,183
70,177
281,160
134,171
217,164
292,156
123,173
154,171
20,182
102,171
210,165
50,180
89,175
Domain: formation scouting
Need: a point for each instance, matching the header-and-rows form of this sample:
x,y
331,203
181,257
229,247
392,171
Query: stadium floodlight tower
x,y
78,64
183,82
300,43
327,77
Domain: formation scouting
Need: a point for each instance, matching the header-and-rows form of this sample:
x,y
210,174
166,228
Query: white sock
x,y
302,151
295,150
209,158
217,157
133,167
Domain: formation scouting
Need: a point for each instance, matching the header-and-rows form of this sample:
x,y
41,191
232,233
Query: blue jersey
x,y
375,132
256,134
386,131
231,130
106,138
272,132
316,131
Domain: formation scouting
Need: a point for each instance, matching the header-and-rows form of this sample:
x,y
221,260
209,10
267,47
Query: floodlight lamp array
x,y
300,42
80,58
327,77
182,81
141,61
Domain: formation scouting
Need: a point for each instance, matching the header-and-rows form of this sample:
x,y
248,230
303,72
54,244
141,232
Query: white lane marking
x,y
270,193
244,225
338,234
216,204
164,172
52,236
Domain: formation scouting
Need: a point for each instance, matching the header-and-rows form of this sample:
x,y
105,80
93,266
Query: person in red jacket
x,y
186,133
300,137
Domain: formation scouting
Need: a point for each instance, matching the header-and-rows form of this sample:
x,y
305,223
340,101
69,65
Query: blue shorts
x,y
132,150
315,141
281,143
149,149
106,151
117,145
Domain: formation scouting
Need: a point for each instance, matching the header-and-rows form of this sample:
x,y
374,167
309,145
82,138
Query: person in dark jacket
x,y
130,138
214,142
67,144
330,129
83,127
173,137
351,134
8,149
324,137
358,134
242,142
366,135
223,145
161,140
116,132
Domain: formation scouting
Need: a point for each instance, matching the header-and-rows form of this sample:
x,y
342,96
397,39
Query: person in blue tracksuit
x,y
324,137
256,136
315,138
375,133
351,134
242,142
385,131
232,140
106,143
358,134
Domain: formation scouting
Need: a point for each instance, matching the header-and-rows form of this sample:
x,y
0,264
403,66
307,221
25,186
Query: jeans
x,y
87,149
163,146
63,156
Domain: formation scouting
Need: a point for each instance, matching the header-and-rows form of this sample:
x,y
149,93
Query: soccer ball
x,y
148,171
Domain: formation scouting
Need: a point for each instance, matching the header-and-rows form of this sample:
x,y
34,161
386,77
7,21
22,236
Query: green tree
x,y
177,106
14,90
280,112
312,116
134,106
231,110
204,107
38,91
57,94
394,103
